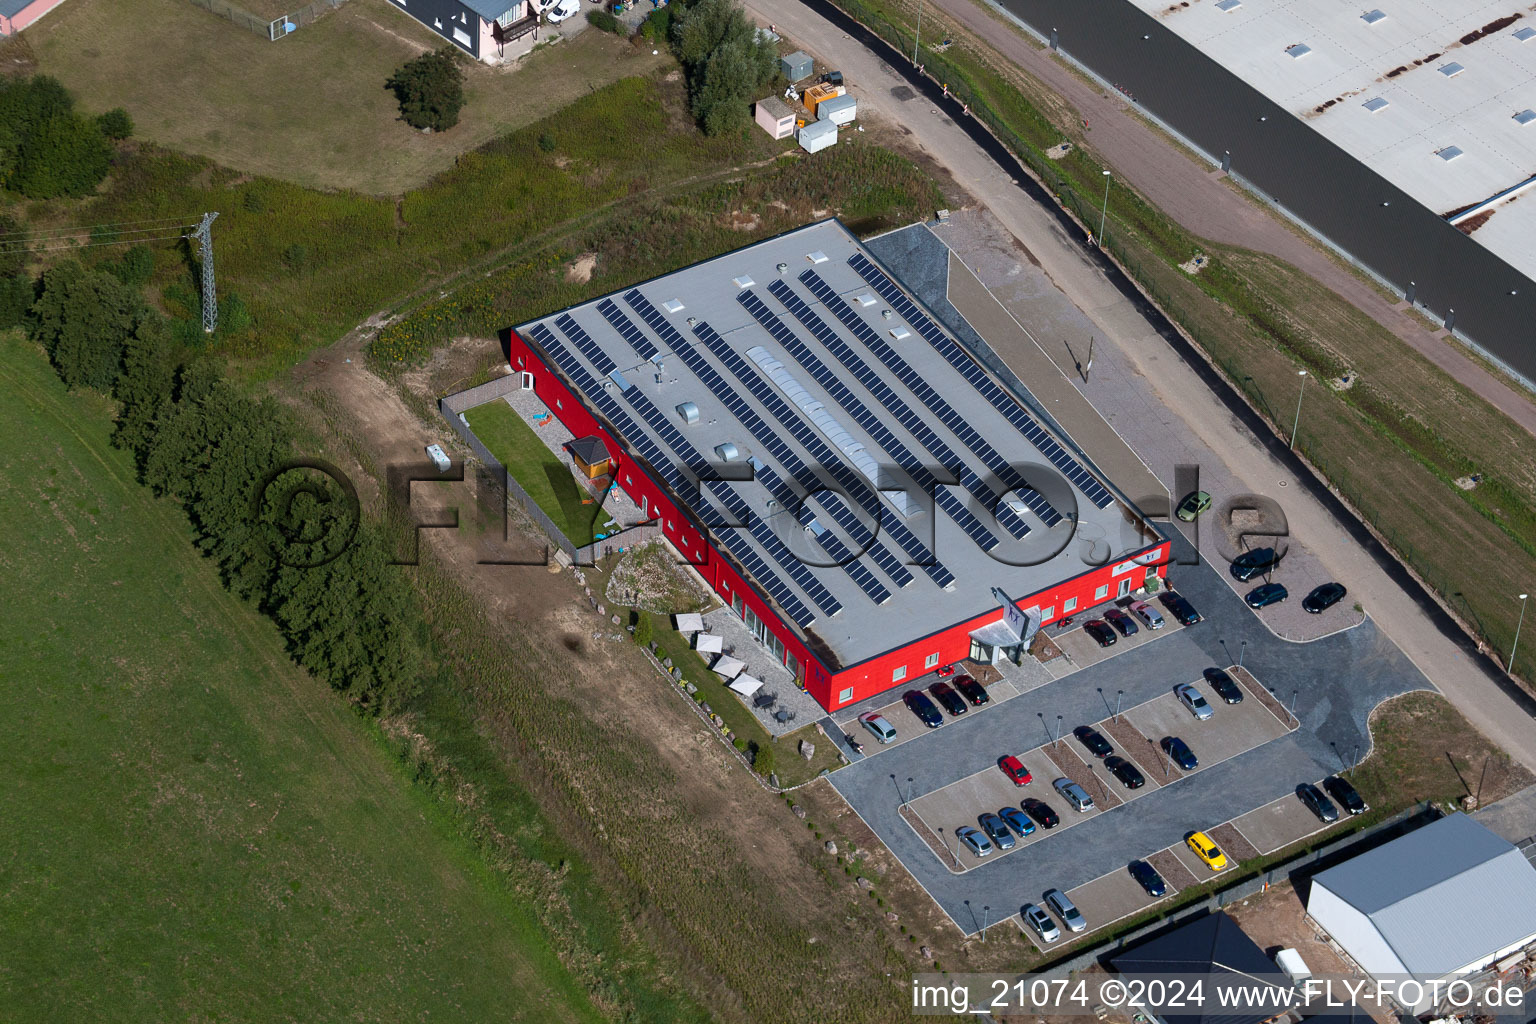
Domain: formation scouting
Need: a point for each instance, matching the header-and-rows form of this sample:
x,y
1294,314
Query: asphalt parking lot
x,y
1335,682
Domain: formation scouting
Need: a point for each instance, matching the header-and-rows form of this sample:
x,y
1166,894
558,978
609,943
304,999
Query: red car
x,y
1015,770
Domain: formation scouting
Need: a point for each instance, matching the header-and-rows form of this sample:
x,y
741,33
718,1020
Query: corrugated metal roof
x,y
1213,945
1443,896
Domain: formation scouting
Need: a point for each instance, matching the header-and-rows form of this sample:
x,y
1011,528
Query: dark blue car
x,y
919,704
1180,753
1266,595
1147,877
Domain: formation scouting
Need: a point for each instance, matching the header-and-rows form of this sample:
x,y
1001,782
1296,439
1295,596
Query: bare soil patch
x,y
1237,848
1173,870
1254,688
580,269
1129,740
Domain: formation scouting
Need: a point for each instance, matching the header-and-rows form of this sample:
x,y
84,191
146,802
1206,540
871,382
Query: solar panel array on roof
x,y
1000,399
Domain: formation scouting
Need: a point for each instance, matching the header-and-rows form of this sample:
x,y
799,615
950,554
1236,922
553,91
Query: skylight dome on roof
x,y
1372,17
1375,103
1298,51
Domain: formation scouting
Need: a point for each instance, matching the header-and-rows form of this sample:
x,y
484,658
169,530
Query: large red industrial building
x,y
897,489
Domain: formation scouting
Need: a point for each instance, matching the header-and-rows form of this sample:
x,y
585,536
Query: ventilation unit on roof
x,y
1372,17
1525,117
618,378
816,257
744,281
1296,51
782,267
673,306
728,452
1526,34
866,300
1449,153
1450,70
900,333
1229,5
689,412
1375,104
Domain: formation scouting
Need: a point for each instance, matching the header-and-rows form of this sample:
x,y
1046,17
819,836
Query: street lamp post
x,y
1242,649
910,790
1297,425
1104,213
1516,645
1119,696
1057,734
945,843
919,34
986,917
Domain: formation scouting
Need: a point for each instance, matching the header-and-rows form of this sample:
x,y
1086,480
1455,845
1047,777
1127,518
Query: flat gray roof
x,y
822,371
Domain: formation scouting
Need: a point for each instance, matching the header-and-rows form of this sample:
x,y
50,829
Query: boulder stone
x,y
864,883
807,749
925,952
798,811
890,917
831,847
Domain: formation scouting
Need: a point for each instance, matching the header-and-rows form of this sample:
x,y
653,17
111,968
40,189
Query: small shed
x,y
817,136
839,109
439,458
818,93
591,456
775,117
796,65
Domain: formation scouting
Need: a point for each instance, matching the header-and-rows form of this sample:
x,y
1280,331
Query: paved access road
x,y
1336,681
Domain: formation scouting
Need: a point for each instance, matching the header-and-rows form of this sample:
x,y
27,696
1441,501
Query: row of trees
x,y
283,538
726,61
47,148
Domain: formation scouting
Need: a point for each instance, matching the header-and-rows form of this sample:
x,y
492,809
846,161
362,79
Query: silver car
x,y
975,839
1040,923
1074,794
1190,698
1069,914
876,723
1146,613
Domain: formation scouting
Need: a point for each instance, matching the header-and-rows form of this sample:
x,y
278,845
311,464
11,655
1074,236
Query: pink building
x,y
16,15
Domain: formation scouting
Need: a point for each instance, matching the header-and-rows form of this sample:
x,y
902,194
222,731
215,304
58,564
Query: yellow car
x,y
1206,850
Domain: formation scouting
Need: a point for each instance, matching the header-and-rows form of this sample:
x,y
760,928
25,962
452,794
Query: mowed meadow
x,y
195,829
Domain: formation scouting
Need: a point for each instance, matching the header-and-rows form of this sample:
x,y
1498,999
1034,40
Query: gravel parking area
x,y
1173,870
1231,730
1233,842
1140,750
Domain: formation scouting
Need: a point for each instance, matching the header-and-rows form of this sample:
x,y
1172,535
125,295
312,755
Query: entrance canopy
x,y
996,634
746,685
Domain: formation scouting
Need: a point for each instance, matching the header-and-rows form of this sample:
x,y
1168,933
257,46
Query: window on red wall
x,y
844,696
897,675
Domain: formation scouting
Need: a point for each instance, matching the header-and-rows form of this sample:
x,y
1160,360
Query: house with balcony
x,y
493,31
16,15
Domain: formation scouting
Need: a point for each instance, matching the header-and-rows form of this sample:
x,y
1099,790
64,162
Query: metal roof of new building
x,y
821,370
1210,947
1443,896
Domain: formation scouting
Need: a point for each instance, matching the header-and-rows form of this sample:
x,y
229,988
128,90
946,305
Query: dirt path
x,y
1197,197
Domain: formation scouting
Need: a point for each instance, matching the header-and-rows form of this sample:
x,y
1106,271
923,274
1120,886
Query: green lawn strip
x,y
540,471
196,829
1394,443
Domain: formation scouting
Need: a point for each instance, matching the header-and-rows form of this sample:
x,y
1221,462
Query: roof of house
x,y
1428,94
11,8
775,107
490,10
1212,945
1443,896
820,372
591,449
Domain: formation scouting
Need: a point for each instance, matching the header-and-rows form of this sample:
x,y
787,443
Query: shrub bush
x,y
115,124
430,89
605,21
47,150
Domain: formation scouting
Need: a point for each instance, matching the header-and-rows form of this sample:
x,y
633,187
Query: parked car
x,y
1178,751
1041,812
1191,698
1258,562
1121,621
1225,688
946,695
1179,608
1100,631
974,839
1040,922
564,10
1015,770
1147,614
972,690
1126,772
876,723
1348,797
1317,803
1093,740
1069,914
918,703
1324,597
1192,506
1018,821
1074,794
1265,595
1147,877
996,829
1209,853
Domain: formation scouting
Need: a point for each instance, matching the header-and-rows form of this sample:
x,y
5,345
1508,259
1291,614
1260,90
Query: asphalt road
x,y
1337,680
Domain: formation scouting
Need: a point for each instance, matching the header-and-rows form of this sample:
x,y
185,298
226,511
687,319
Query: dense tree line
x,y
285,539
47,148
725,60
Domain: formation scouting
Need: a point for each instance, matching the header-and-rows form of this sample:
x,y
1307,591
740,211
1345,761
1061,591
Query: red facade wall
x,y
865,679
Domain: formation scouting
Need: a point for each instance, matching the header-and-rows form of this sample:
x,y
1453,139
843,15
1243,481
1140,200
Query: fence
x,y
1303,864
270,28
452,409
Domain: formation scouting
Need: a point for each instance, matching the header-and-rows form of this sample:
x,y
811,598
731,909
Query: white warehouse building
x,y
1444,900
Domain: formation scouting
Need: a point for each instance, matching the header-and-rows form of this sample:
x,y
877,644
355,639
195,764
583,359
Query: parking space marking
x,y
1195,865
908,726
1278,823
1113,896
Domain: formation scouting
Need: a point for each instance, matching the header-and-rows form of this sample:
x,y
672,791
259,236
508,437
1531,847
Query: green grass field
x,y
310,108
540,471
195,830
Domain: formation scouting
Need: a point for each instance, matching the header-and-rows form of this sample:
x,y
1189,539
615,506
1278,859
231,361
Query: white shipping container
x,y
817,136
839,109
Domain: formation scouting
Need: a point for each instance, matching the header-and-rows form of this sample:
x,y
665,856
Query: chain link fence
x,y
270,28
